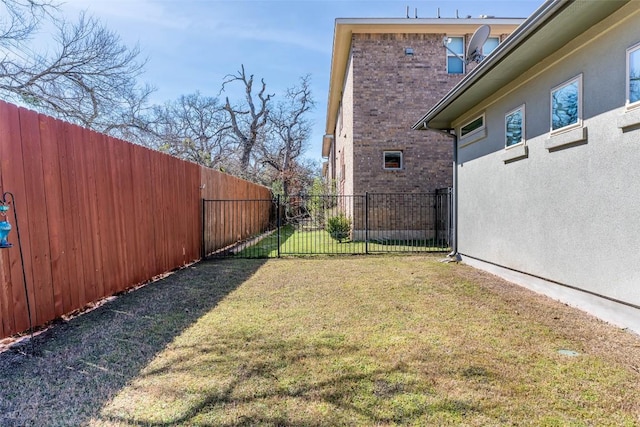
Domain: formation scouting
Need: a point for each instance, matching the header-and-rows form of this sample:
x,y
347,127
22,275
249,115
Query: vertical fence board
x,y
169,205
93,184
71,193
132,233
155,187
160,180
106,211
113,213
174,211
66,275
39,258
10,284
143,213
87,215
127,248
7,324
193,242
53,196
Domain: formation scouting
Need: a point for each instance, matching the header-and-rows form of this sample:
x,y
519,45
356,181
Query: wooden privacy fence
x,y
97,215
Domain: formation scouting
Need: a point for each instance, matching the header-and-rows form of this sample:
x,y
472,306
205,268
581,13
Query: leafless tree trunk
x,y
291,131
247,120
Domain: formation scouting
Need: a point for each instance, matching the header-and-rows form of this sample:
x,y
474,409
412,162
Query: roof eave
x,y
537,19
548,29
346,27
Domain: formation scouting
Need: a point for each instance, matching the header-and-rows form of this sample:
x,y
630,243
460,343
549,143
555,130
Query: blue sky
x,y
193,44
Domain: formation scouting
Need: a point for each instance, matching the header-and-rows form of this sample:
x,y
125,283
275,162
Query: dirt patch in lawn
x,y
367,340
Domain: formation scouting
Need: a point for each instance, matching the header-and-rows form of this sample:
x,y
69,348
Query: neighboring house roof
x,y
549,28
346,27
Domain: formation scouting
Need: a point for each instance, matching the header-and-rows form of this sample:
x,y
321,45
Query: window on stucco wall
x,y
566,105
475,125
514,130
633,76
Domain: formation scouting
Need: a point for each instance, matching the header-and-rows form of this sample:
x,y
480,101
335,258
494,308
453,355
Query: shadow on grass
x,y
265,391
80,365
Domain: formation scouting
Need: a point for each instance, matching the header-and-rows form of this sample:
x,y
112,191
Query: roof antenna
x,y
416,13
438,12
457,14
407,12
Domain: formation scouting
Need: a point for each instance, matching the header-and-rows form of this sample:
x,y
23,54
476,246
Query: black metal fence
x,y
328,224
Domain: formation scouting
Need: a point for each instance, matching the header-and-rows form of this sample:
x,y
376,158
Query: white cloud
x,y
141,12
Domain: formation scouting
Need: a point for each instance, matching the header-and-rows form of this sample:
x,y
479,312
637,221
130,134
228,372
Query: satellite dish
x,y
474,50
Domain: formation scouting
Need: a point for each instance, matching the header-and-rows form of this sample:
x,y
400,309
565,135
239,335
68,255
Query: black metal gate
x,y
327,224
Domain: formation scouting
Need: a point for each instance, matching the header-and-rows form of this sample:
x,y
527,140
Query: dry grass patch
x,y
383,341
376,340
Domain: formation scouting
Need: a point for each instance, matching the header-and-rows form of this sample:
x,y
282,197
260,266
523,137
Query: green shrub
x,y
339,227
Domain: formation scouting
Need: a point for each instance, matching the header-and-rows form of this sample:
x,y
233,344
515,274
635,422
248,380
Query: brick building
x,y
384,73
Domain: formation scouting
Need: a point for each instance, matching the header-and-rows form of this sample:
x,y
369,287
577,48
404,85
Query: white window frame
x,y
630,105
578,123
384,163
451,55
523,138
474,131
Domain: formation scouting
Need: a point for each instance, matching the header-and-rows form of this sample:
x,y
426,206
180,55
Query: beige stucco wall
x,y
568,213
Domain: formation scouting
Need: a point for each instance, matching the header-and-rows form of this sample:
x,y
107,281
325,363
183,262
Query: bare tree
x,y
248,120
194,128
20,18
289,136
88,78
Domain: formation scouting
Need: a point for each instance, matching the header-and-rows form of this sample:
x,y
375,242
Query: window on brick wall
x,y
490,45
392,160
455,65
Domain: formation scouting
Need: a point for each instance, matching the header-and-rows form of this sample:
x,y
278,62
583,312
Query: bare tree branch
x,y
194,128
89,78
20,18
290,132
247,121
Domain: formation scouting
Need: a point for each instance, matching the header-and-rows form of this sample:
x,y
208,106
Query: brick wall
x,y
344,138
391,91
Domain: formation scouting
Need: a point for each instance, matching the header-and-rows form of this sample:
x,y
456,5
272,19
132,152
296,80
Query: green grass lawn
x,y
367,340
381,340
301,242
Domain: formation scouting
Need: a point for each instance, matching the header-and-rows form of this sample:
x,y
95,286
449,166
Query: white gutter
x,y
519,35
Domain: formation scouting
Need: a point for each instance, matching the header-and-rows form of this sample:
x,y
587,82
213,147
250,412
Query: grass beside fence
x,y
372,340
319,242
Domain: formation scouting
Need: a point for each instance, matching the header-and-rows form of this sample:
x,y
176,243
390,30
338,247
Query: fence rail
x,y
97,215
328,224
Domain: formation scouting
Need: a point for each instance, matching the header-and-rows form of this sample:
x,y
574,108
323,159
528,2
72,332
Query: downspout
x,y
454,255
454,198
